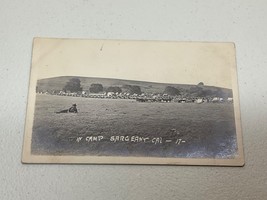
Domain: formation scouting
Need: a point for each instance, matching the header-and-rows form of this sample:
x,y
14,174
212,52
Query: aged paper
x,y
133,102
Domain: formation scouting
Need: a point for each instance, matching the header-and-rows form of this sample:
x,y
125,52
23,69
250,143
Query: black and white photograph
x,y
133,102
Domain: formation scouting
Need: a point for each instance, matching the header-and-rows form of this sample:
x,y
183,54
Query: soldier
x,y
72,109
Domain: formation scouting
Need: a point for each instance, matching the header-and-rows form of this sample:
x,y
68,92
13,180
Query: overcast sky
x,y
165,62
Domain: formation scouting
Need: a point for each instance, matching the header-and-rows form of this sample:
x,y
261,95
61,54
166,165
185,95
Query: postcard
x,y
133,102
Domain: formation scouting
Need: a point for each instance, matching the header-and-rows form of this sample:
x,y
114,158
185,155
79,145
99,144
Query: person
x,y
72,109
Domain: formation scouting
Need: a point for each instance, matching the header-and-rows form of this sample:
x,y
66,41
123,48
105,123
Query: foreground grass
x,y
207,129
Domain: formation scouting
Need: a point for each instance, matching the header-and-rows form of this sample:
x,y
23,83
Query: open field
x,y
207,130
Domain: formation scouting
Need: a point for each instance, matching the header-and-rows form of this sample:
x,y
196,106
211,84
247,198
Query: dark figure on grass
x,y
72,109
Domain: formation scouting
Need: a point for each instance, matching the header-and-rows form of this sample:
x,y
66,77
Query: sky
x,y
154,61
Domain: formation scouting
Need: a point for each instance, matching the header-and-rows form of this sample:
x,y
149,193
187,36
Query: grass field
x,y
208,130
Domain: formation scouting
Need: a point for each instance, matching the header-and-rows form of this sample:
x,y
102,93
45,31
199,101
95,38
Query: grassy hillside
x,y
57,83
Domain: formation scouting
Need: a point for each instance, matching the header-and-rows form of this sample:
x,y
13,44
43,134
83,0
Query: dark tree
x,y
136,89
114,89
73,85
201,84
171,91
132,89
96,88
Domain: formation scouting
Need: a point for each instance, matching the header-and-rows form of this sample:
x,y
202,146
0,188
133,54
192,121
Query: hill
x,y
58,83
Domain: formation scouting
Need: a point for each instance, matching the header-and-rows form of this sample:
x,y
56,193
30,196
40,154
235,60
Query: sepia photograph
x,y
133,102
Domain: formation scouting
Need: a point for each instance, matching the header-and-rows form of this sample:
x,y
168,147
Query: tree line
x,y
74,85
